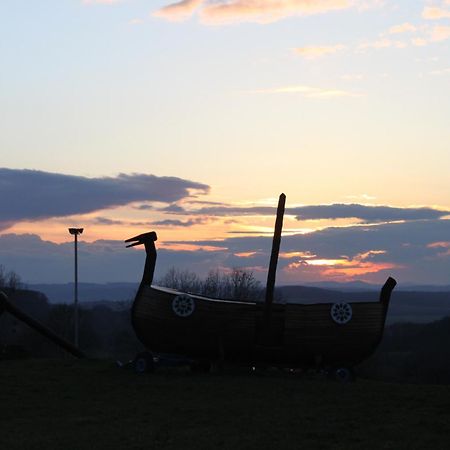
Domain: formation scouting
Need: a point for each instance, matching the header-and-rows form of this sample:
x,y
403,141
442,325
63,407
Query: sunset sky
x,y
190,118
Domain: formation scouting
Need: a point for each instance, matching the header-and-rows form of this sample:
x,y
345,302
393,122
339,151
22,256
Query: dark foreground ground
x,y
65,404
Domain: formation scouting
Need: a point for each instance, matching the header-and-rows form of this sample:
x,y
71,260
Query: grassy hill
x,y
67,404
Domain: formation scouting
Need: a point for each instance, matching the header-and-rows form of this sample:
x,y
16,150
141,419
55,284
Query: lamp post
x,y
75,232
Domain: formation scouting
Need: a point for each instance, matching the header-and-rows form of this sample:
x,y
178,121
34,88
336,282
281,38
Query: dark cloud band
x,y
178,223
32,194
366,213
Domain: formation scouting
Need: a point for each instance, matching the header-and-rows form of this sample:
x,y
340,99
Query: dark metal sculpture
x,y
329,335
7,306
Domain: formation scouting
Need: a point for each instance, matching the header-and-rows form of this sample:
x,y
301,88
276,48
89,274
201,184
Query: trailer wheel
x,y
143,363
344,375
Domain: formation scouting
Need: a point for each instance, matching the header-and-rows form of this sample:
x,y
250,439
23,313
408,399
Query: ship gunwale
x,y
255,303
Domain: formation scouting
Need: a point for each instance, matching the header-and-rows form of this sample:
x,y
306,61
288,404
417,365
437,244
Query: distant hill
x,y
363,286
349,286
406,305
87,292
31,302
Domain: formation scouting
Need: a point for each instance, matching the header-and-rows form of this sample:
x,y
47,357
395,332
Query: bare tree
x,y
9,279
243,285
182,280
213,286
239,284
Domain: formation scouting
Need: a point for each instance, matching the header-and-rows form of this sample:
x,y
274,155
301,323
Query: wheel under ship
x,y
294,335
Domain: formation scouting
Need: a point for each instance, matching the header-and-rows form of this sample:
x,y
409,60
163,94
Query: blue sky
x,y
344,103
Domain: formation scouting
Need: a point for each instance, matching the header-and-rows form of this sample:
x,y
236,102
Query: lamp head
x,y
76,231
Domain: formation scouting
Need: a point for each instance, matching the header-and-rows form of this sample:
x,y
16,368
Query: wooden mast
x,y
267,312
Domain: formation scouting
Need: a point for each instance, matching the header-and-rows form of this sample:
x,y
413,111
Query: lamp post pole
x,y
75,232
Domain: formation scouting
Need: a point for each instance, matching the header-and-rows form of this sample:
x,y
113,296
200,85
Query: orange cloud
x,y
433,34
419,42
179,11
440,33
366,255
354,271
435,13
289,255
184,247
445,245
343,268
440,244
402,28
318,51
261,11
381,43
246,254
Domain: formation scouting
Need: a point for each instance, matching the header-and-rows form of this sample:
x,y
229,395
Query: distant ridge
x,y
345,286
87,292
406,305
364,286
409,303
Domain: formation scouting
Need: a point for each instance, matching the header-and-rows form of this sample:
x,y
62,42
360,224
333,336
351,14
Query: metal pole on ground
x,y
75,232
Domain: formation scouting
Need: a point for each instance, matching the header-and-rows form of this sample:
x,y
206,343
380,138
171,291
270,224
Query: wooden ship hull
x,y
301,335
291,335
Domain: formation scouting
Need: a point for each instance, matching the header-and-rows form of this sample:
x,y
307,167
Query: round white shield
x,y
341,313
183,305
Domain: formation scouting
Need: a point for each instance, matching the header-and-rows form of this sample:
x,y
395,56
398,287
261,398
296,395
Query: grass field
x,y
68,404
